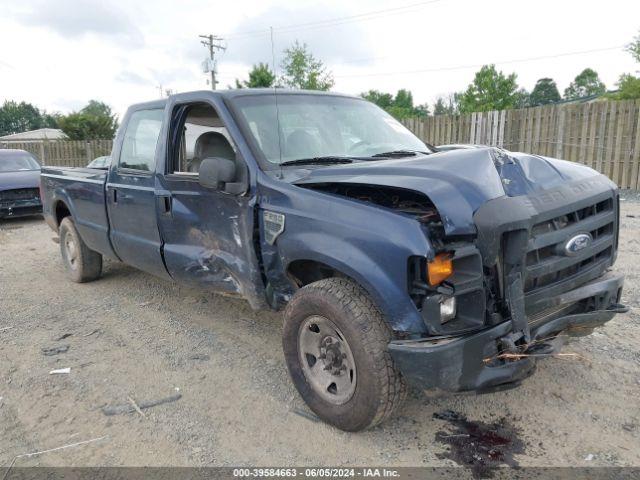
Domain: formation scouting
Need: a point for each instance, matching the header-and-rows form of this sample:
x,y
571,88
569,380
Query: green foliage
x,y
522,99
401,106
421,110
628,88
634,48
404,99
383,100
545,92
490,90
629,85
446,106
260,76
586,84
21,117
94,121
303,71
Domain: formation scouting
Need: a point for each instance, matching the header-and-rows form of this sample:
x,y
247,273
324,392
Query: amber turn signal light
x,y
439,269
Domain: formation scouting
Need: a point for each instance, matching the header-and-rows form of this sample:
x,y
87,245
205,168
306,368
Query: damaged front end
x,y
544,259
529,242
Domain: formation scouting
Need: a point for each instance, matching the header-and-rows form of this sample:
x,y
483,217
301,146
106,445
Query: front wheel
x,y
335,345
82,263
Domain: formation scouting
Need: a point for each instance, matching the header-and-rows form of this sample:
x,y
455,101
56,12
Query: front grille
x,y
19,194
549,313
548,265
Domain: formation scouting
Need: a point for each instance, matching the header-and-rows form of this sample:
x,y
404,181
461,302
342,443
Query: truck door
x,y
130,192
208,234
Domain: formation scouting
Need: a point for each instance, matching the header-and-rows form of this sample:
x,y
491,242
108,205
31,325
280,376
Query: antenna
x,y
275,94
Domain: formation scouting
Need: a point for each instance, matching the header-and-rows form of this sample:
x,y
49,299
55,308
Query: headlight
x,y
447,308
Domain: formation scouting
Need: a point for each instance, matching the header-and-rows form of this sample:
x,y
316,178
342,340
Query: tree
x,y
628,88
629,85
586,84
21,117
634,48
302,70
260,76
94,121
422,110
545,92
383,100
490,90
401,106
445,106
522,99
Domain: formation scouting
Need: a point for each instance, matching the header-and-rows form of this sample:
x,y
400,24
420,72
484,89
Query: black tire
x,y
82,263
378,389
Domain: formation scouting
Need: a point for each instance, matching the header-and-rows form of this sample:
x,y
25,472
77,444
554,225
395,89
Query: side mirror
x,y
216,172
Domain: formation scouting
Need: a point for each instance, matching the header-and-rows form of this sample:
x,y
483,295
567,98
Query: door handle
x,y
115,195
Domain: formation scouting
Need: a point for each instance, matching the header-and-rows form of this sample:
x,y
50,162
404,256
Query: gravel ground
x,y
134,336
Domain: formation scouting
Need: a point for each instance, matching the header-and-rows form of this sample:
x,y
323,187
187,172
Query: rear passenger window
x,y
140,140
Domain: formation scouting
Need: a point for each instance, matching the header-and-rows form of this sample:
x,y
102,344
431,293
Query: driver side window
x,y
203,135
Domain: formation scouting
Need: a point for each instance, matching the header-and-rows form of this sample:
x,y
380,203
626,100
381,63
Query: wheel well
x,y
61,211
304,272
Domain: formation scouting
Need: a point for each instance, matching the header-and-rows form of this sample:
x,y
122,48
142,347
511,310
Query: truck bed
x,y
83,190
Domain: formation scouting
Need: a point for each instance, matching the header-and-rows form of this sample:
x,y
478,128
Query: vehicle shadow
x,y
14,223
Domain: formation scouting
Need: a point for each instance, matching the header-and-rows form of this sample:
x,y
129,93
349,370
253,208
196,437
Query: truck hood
x,y
458,182
20,179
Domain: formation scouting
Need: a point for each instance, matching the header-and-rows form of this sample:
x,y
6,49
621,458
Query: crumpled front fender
x,y
369,244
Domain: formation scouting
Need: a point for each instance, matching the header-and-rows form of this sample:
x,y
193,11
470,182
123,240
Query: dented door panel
x,y
207,240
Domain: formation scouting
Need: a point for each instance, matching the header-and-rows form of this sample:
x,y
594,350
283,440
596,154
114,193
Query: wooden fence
x,y
68,153
604,135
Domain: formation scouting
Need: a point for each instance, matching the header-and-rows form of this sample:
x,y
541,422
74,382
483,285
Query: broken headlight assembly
x,y
449,290
447,308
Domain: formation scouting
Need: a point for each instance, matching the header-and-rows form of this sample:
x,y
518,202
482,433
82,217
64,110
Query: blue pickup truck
x,y
394,263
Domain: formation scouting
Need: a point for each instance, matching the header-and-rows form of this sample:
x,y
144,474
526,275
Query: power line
x,y
465,67
478,65
335,21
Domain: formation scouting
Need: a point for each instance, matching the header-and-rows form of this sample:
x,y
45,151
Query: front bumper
x,y
20,208
469,362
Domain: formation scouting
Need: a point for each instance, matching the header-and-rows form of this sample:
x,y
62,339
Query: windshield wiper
x,y
400,153
319,160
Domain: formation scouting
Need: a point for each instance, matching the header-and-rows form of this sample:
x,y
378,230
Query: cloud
x,y
6,65
345,43
77,18
152,77
127,76
173,74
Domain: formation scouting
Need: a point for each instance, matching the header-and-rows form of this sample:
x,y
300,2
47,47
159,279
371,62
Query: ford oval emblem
x,y
575,244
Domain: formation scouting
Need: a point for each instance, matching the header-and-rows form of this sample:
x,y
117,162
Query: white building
x,y
34,135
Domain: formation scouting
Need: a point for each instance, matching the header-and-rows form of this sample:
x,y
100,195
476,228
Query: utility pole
x,y
212,43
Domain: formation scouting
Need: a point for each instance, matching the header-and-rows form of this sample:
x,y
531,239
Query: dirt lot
x,y
132,335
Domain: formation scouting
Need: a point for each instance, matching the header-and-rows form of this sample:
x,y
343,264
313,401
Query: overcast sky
x,y
60,54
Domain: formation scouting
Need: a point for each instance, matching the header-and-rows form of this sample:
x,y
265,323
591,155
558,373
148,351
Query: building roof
x,y
39,134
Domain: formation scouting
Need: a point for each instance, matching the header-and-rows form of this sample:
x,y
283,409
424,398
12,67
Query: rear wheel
x,y
335,344
82,263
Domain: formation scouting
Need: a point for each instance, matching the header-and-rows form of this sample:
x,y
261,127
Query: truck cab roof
x,y
241,92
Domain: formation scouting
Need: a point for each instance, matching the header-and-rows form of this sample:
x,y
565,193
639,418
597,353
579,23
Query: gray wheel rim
x,y
326,359
71,251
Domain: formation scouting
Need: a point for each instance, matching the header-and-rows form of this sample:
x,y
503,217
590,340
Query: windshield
x,y
313,126
16,162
